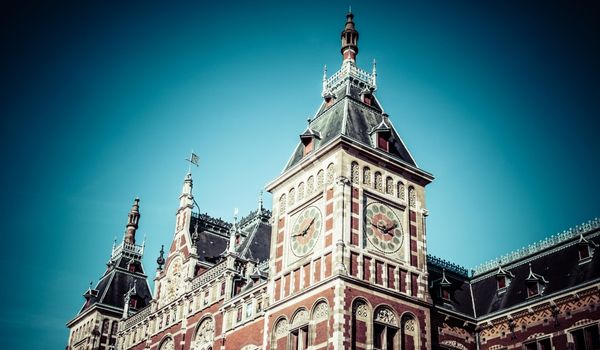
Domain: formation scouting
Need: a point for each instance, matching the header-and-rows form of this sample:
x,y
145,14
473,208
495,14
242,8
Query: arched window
x,y
320,180
385,329
205,335
400,190
167,344
301,191
299,330
310,185
410,332
292,196
330,174
389,186
367,176
354,172
280,333
320,320
378,181
360,323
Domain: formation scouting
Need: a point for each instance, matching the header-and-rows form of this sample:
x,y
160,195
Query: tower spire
x,y
132,222
349,39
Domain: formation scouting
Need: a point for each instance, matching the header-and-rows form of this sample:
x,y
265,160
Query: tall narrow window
x,y
586,338
378,181
541,344
354,172
299,331
410,333
389,186
366,176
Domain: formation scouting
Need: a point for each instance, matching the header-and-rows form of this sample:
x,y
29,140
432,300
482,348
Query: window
x,y
239,315
584,251
308,145
259,306
366,176
586,338
445,293
541,344
133,303
206,297
222,288
248,310
501,282
382,141
354,172
533,289
299,338
385,330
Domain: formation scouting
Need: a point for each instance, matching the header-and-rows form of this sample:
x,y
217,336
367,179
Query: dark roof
x,y
350,117
557,268
213,236
116,281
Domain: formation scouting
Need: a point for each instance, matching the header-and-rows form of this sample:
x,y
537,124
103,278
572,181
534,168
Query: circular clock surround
x,y
305,231
383,227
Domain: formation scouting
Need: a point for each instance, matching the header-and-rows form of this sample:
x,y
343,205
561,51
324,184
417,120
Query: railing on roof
x,y
538,246
449,266
215,221
128,249
138,317
347,70
209,275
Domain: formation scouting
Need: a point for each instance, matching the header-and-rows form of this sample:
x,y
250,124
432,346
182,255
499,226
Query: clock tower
x,y
349,231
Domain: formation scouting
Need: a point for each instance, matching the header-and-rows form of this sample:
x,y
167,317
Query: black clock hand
x,y
390,228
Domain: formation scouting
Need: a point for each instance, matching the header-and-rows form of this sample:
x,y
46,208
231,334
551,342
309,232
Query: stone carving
x,y
321,312
361,310
282,201
174,280
354,172
385,315
412,197
409,325
168,344
281,329
301,191
300,318
292,196
320,180
330,174
205,335
401,191
366,176
310,185
453,344
389,186
378,181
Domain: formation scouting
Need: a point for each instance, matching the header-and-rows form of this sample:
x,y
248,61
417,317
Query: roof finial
x,y
260,201
349,40
233,233
374,74
349,9
132,222
161,259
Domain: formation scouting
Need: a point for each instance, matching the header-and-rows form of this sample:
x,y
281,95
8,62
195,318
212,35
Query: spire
x,y
186,198
374,74
132,222
349,39
233,232
324,80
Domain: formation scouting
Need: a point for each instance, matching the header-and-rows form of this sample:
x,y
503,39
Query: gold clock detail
x,y
305,231
382,227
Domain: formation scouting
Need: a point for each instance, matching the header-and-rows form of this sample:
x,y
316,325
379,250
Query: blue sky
x,y
101,102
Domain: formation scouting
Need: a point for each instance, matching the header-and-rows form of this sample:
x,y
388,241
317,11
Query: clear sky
x,y
102,101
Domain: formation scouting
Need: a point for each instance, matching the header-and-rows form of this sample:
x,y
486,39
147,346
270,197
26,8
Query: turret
x,y
132,222
349,40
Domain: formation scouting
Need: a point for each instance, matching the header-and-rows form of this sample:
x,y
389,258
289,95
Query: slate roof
x,y
213,236
558,265
350,117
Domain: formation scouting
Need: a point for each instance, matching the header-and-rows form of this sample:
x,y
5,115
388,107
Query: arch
x,y
367,176
310,185
386,328
354,172
361,325
320,179
167,343
400,190
300,317
282,202
378,181
330,174
280,332
389,186
301,191
205,334
292,196
409,331
299,329
320,310
412,197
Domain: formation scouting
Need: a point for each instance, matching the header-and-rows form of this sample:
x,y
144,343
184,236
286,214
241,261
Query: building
x,y
341,262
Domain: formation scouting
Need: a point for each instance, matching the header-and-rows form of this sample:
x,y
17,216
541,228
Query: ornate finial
x,y
260,201
233,232
196,234
161,259
349,9
349,40
132,222
374,74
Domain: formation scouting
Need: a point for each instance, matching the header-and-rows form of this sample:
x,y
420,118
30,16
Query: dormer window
x,y
503,279
445,286
381,134
367,96
308,139
535,283
585,249
133,303
329,98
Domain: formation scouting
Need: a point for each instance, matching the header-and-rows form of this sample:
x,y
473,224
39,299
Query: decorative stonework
x,y
310,185
292,196
401,191
168,344
361,310
205,335
330,174
409,325
378,182
320,180
282,202
301,191
412,197
174,280
354,173
321,312
389,186
385,315
300,318
366,176
453,344
281,329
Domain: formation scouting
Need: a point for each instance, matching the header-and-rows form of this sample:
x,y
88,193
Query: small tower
x,y
349,40
96,324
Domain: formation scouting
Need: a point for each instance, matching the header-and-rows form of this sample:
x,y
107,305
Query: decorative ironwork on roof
x,y
539,246
215,221
447,265
350,71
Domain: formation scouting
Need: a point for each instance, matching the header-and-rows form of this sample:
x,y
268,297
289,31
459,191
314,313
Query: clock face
x,y
383,228
305,231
